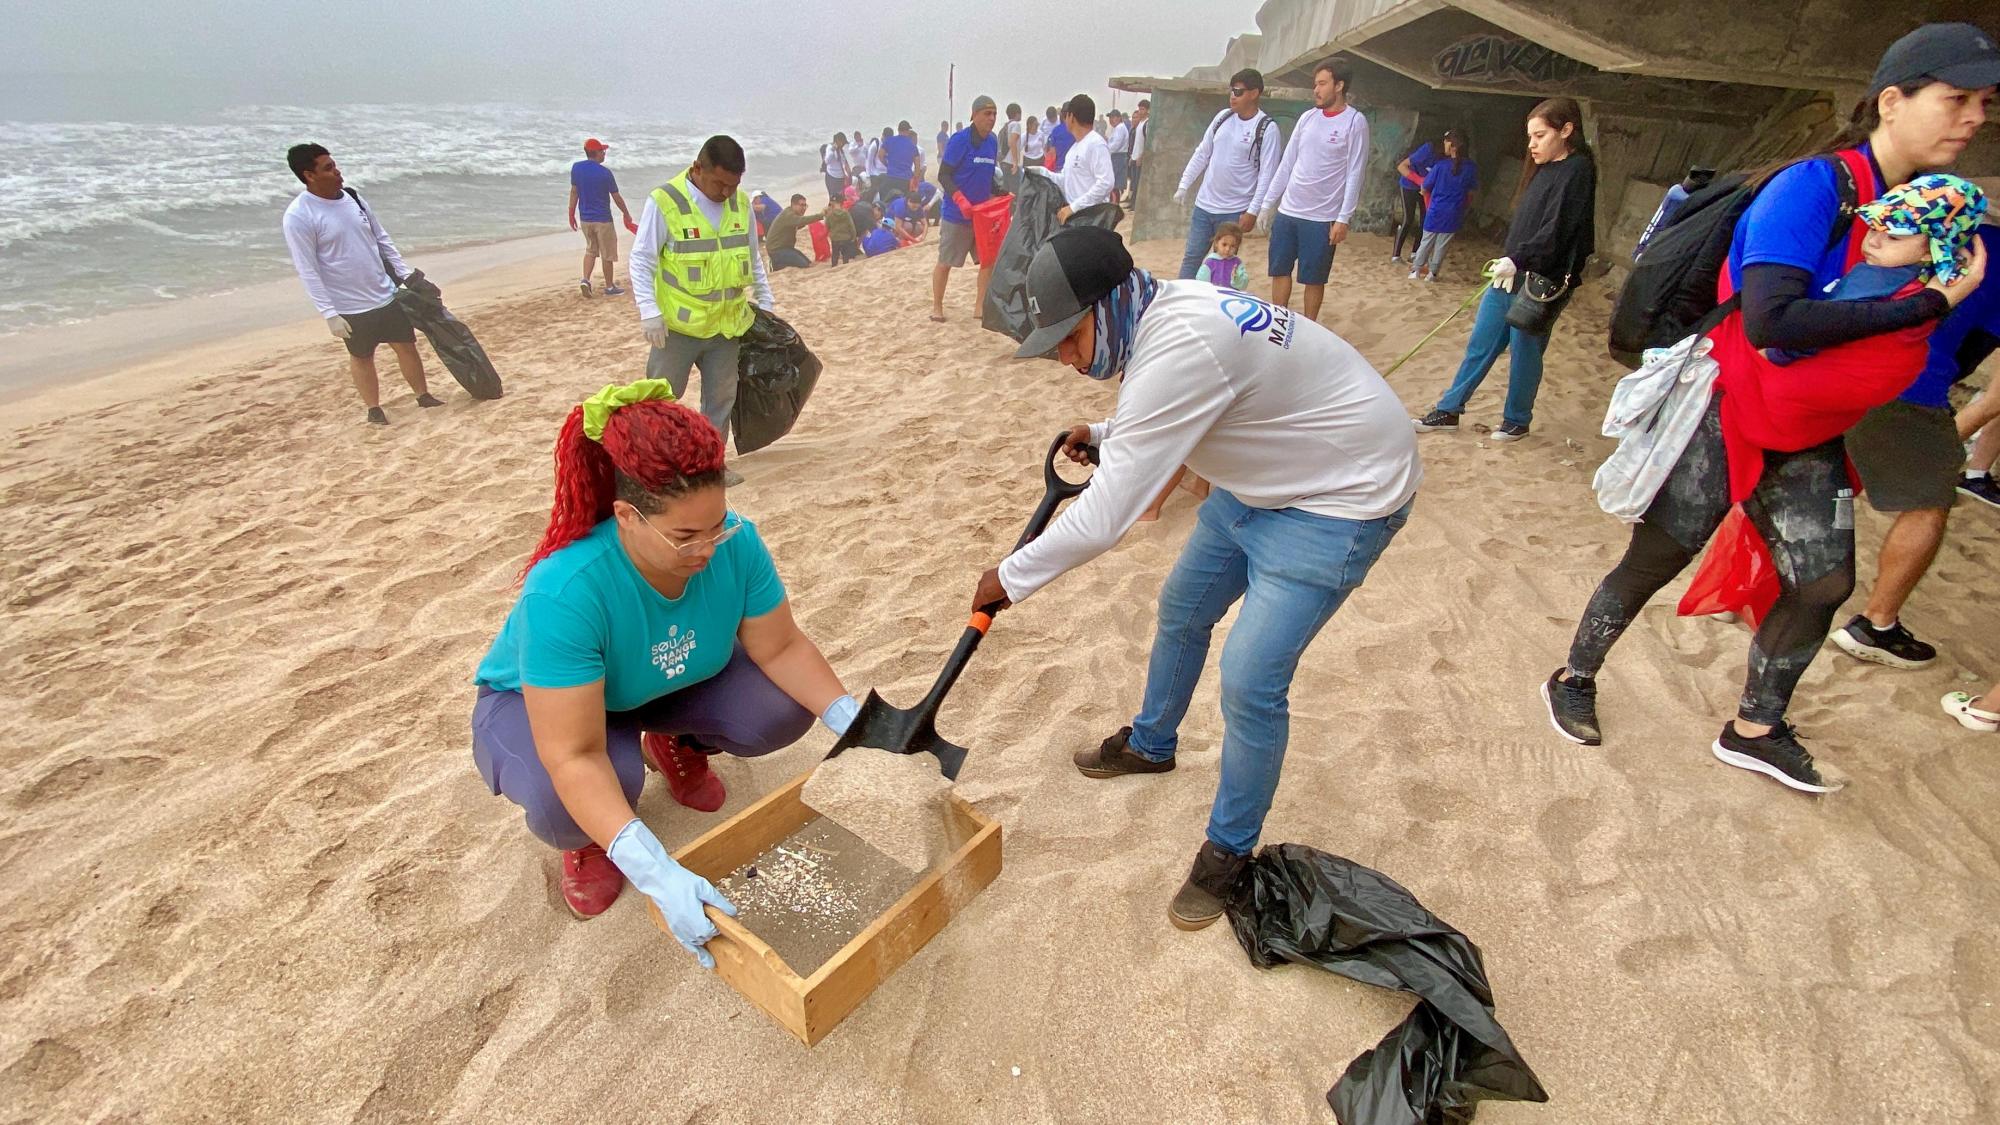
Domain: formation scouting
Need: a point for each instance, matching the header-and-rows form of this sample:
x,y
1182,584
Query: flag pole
x,y
951,94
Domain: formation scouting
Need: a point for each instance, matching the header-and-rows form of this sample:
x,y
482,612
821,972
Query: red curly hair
x,y
652,451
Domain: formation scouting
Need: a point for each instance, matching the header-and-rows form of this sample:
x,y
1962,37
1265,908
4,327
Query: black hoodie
x,y
1554,228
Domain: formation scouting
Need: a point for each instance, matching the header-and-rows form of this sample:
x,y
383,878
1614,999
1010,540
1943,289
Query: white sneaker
x,y
1959,705
1413,275
1432,277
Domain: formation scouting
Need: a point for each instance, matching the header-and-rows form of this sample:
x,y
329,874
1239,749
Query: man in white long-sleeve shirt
x,y
343,256
703,265
1138,162
1314,468
1087,178
1236,161
1317,188
1119,140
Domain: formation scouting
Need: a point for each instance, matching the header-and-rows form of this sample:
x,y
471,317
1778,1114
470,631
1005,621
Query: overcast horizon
x,y
136,60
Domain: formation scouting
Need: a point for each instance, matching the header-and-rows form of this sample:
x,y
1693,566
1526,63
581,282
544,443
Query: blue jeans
x,y
1201,232
1291,569
1491,335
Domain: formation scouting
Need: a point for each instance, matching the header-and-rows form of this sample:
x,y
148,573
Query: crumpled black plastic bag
x,y
775,374
1032,222
422,301
1303,905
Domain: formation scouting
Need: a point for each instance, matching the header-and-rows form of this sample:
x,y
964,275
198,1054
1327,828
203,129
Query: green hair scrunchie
x,y
598,407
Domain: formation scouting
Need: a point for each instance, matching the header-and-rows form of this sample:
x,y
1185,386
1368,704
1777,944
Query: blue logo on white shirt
x,y
1254,315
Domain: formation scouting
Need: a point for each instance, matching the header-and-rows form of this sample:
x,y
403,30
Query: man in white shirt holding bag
x,y
1087,178
1317,188
1314,467
1239,155
343,257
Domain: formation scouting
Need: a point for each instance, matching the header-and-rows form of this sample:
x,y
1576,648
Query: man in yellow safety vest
x,y
697,234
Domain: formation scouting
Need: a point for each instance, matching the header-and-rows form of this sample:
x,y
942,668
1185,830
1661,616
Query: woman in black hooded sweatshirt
x,y
1553,235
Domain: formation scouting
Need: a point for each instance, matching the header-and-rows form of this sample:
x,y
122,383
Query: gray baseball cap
x,y
983,102
1071,272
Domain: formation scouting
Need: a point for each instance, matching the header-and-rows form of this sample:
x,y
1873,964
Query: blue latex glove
x,y
678,892
839,715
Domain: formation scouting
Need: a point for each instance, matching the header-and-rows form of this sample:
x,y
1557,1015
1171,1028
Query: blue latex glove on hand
x,y
839,715
679,893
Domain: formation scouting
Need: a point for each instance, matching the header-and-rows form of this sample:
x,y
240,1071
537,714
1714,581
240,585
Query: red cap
x,y
594,143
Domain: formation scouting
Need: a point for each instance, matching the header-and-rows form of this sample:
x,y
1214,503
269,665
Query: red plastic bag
x,y
822,243
1736,576
990,221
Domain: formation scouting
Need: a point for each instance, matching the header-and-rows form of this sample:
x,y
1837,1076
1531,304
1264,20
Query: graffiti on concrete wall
x,y
1504,60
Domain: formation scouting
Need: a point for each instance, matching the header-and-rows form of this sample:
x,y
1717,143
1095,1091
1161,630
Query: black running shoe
x,y
1435,420
1983,489
428,399
378,416
1777,755
1573,709
1510,431
1895,646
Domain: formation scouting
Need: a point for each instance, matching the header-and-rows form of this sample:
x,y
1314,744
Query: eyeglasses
x,y
1238,91
731,524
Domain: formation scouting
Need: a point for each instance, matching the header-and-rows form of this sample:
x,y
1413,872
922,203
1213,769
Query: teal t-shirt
x,y
586,614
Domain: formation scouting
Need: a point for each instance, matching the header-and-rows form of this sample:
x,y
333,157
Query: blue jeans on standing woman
x,y
1201,232
1291,569
1491,335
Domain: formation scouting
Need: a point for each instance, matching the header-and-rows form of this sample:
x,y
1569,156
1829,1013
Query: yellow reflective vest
x,y
702,279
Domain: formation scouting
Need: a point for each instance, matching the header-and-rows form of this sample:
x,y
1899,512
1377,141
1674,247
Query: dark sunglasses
x,y
1238,91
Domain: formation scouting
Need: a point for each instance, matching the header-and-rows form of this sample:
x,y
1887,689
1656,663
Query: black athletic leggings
x,y
1413,217
1806,494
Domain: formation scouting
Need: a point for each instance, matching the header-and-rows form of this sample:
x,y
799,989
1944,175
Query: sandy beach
x,y
250,873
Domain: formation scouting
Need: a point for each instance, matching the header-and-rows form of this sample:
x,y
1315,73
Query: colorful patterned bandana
x,y
1118,322
1944,209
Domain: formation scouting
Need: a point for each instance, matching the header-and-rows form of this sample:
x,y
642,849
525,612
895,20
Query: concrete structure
x,y
1714,82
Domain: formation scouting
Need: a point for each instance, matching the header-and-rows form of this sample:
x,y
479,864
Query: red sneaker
x,y
590,881
686,769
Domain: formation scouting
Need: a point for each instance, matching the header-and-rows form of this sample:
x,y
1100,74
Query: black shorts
x,y
386,325
1909,457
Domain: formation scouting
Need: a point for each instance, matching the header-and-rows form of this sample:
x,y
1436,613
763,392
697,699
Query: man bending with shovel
x,y
1314,469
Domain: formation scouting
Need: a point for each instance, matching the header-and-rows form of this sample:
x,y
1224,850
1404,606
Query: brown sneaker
x,y
1114,756
1201,899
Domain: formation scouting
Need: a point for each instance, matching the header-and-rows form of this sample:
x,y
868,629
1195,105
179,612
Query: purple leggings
x,y
738,710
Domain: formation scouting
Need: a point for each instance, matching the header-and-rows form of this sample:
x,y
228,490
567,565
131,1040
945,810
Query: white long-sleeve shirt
x,y
1121,138
338,245
1139,140
652,235
1237,179
857,157
1087,179
1261,402
1325,162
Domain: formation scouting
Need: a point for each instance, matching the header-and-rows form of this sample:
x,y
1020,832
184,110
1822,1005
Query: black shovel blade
x,y
883,727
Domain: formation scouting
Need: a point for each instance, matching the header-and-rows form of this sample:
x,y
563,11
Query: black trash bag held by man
x,y
421,301
1031,223
1303,905
775,374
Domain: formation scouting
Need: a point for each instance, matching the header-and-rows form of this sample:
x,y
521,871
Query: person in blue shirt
x,y
592,191
1909,454
967,171
650,632
1410,173
1677,196
1061,140
1450,183
900,157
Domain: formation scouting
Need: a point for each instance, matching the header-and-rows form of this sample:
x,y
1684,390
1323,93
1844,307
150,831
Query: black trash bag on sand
x,y
1032,222
1303,905
775,374
423,303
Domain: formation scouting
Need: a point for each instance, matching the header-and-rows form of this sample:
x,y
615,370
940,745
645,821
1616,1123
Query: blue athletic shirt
x,y
972,168
586,614
881,240
1449,192
899,156
1789,222
1979,312
594,184
1061,141
1422,160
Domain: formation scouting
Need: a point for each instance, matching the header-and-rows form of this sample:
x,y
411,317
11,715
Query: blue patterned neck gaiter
x,y
1118,322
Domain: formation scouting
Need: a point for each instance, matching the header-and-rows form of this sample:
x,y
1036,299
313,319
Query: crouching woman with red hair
x,y
651,631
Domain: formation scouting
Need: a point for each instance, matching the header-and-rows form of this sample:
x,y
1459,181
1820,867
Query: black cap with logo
x,y
1955,53
1072,271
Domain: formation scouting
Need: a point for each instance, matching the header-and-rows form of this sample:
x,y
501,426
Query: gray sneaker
x,y
1205,895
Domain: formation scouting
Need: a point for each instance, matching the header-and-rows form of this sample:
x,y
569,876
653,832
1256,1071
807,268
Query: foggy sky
x,y
837,64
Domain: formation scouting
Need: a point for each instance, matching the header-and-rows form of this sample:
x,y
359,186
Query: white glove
x,y
339,327
1180,196
655,330
1504,272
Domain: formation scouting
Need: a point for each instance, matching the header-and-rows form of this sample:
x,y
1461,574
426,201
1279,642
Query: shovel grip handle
x,y
982,619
